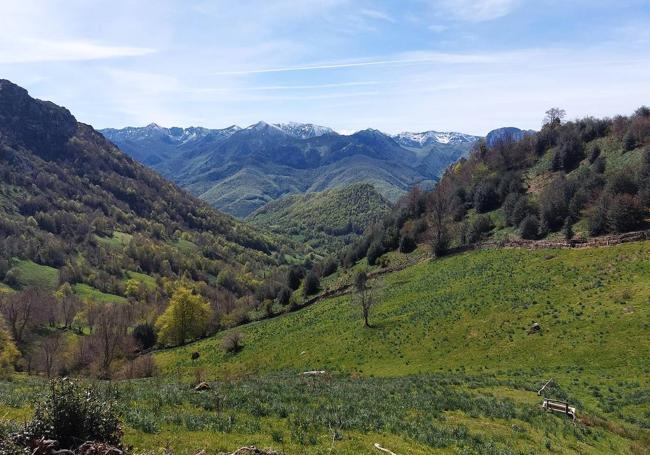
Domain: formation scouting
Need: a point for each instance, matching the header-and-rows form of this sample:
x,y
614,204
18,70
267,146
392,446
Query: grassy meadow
x,y
448,366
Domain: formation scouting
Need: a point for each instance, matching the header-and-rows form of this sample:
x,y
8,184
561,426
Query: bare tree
x,y
554,116
69,306
24,311
93,310
364,296
109,338
439,205
50,347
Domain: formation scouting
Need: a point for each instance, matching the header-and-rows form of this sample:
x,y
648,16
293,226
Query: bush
x,y
12,278
294,275
622,182
479,226
567,229
554,204
626,213
72,414
599,165
594,154
570,152
311,284
284,295
375,250
597,221
329,267
407,244
145,335
529,227
629,142
485,197
141,367
440,244
232,343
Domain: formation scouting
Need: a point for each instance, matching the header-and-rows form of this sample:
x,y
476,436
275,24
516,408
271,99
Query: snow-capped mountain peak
x,y
422,139
304,130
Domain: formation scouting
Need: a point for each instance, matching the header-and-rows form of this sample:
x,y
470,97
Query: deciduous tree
x,y
186,317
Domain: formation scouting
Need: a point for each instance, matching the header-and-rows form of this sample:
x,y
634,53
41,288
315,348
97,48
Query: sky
x,y
393,65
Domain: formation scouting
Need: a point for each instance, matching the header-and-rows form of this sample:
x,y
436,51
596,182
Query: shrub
x,y
594,154
629,142
440,244
599,165
141,367
294,275
622,182
597,220
479,226
626,213
284,295
329,267
311,284
4,268
72,414
554,204
570,151
145,335
407,244
521,210
232,343
12,278
567,229
509,206
375,250
529,227
485,197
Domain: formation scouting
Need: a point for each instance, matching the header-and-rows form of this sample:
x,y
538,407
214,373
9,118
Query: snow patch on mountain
x,y
304,130
425,138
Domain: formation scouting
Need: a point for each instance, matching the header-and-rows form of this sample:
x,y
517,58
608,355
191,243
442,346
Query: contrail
x,y
441,58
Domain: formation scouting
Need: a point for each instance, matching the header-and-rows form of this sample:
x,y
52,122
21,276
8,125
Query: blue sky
x,y
416,65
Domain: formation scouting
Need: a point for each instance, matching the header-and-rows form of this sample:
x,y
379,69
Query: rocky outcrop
x,y
40,126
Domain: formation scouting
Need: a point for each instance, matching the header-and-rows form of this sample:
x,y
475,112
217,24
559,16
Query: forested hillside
x,y
79,217
325,221
567,183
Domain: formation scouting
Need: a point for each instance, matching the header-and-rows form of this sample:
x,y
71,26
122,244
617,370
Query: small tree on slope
x,y
186,317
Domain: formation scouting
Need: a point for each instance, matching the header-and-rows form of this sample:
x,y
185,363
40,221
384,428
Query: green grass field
x,y
86,292
449,366
31,274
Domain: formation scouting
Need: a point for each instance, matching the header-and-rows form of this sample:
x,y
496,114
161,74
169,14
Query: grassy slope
x,y
471,311
30,274
448,368
465,318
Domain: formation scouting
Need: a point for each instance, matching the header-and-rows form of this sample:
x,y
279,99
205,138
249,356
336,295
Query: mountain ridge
x,y
243,169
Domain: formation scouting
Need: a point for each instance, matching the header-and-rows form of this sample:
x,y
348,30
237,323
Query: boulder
x,y
202,386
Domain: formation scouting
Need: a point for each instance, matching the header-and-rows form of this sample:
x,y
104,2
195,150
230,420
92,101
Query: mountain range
x,y
238,170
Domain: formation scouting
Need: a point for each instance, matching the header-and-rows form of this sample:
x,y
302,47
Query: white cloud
x,y
39,50
479,10
438,28
376,14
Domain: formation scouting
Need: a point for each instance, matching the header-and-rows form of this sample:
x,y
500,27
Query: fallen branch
x,y
378,447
